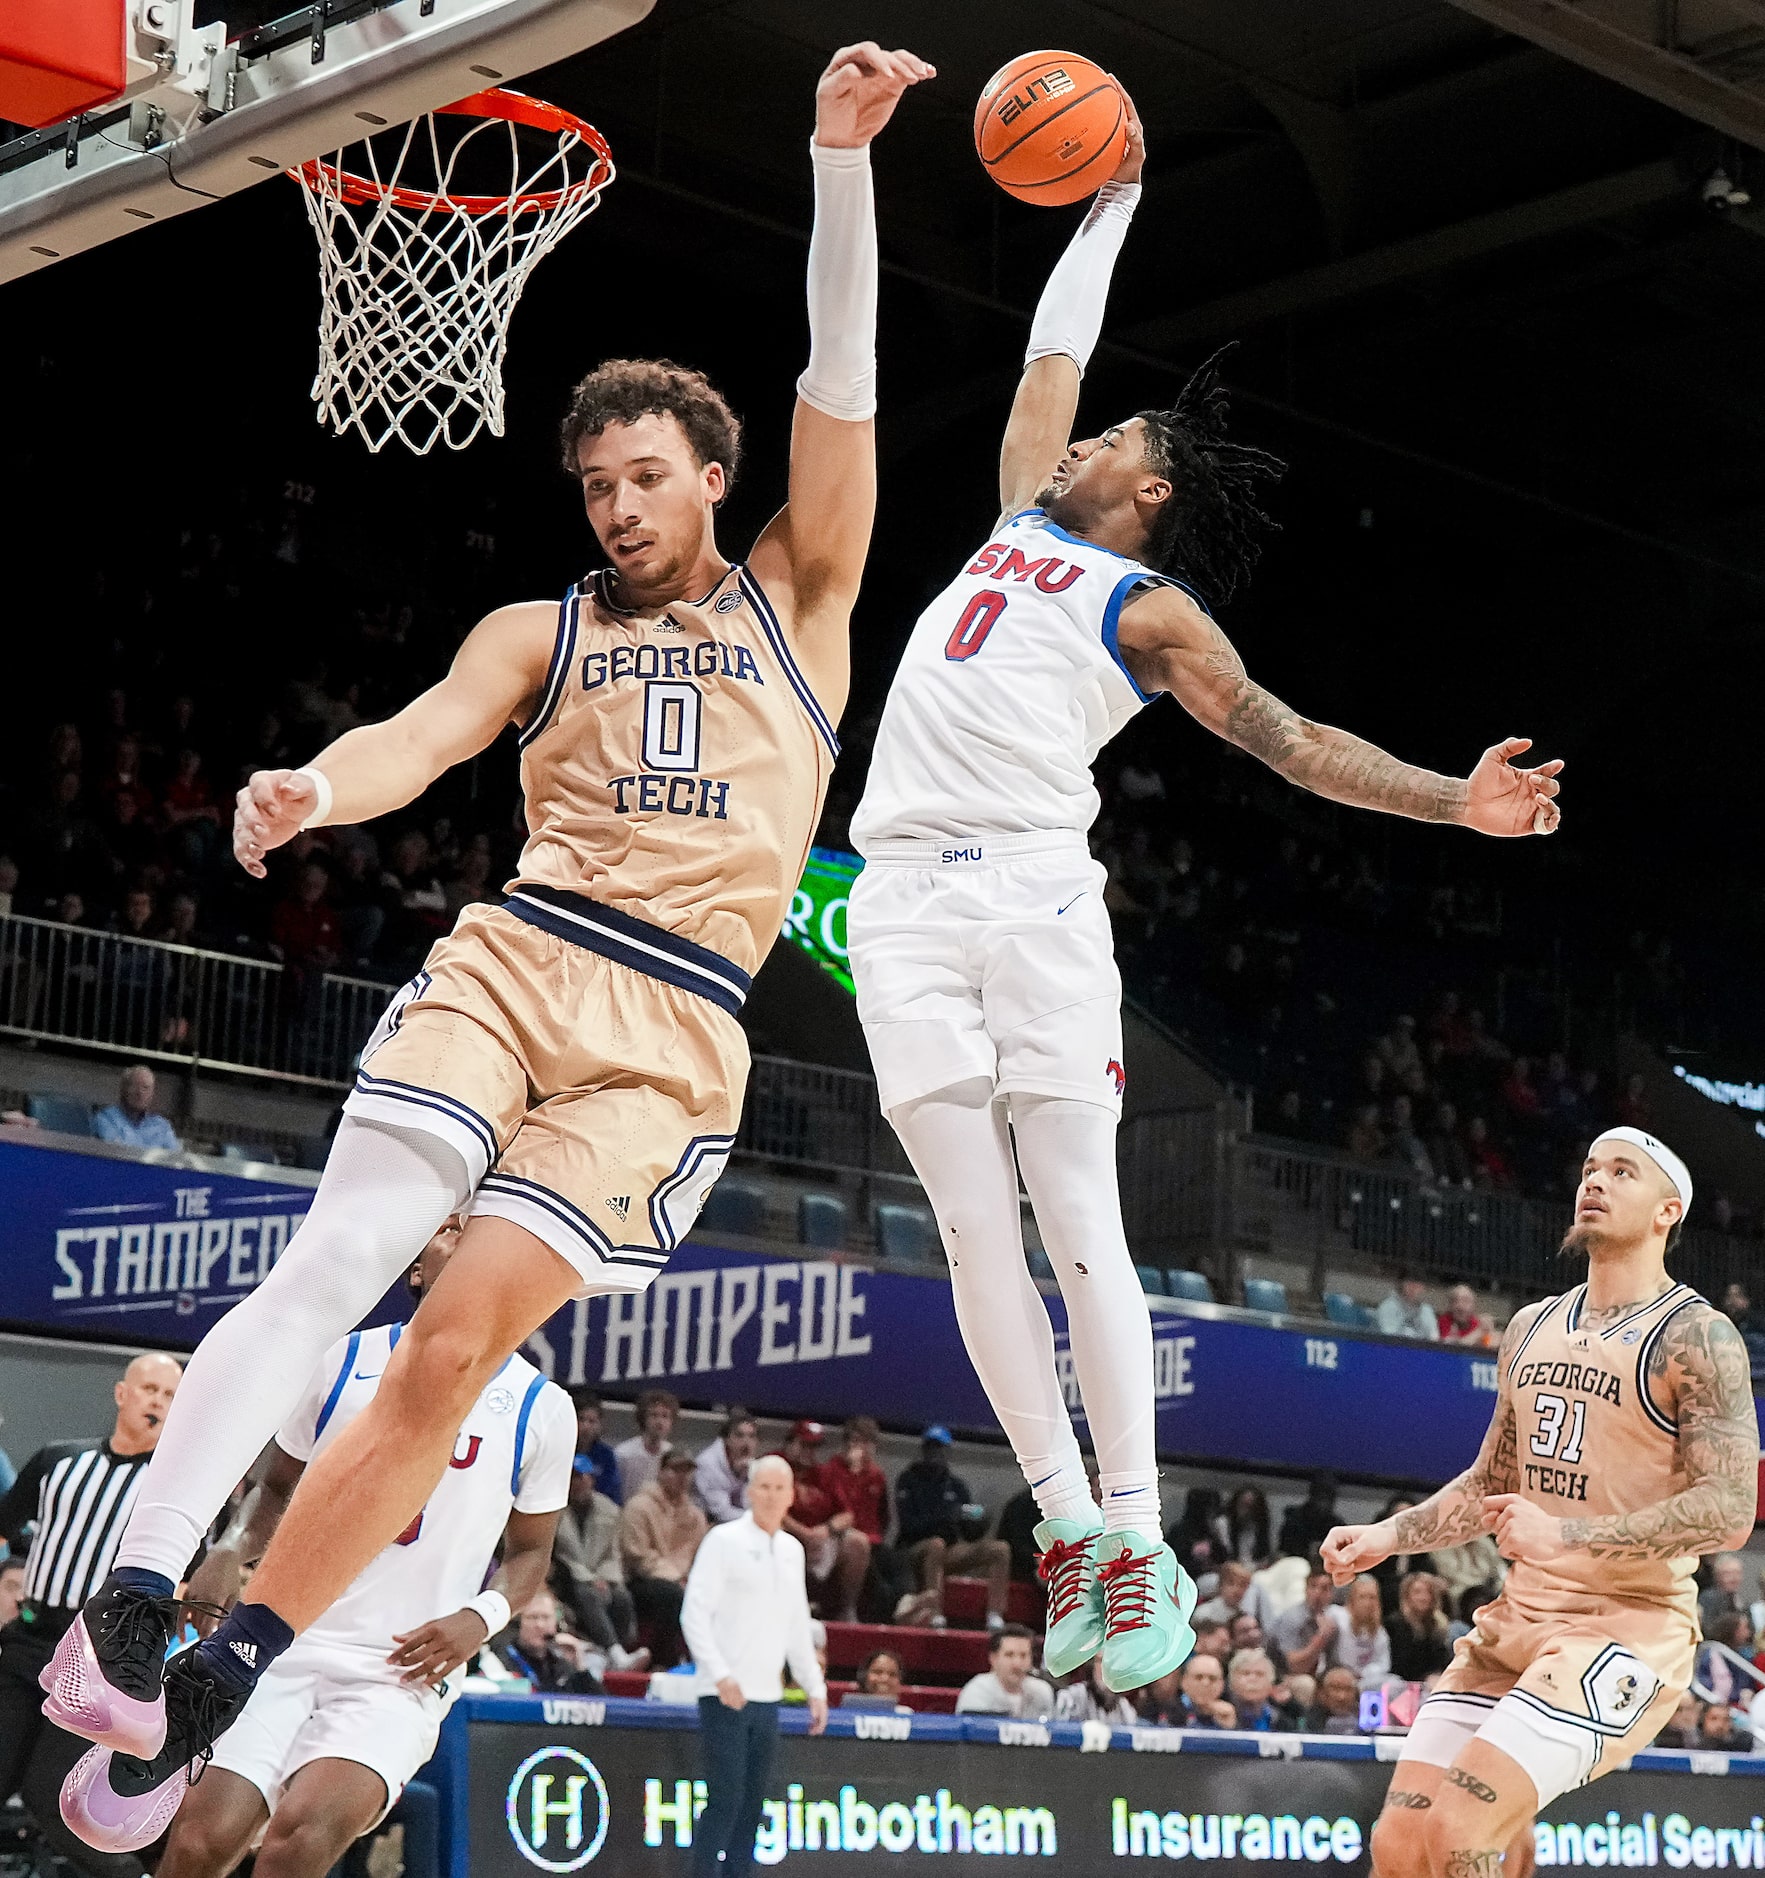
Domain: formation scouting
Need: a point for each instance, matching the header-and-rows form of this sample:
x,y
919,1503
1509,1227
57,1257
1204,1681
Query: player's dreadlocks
x,y
1207,532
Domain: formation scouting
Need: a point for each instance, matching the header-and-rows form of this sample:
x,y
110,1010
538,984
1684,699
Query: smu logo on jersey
x,y
1004,562
472,1443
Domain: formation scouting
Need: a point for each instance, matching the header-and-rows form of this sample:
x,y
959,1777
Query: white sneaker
x,y
632,1660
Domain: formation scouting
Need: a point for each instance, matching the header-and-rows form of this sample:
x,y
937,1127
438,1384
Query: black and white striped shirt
x,y
80,1494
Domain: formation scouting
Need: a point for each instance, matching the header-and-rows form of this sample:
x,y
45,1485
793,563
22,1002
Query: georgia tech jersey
x,y
676,765
1592,1441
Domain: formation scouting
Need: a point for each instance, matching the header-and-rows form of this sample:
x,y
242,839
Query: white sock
x,y
961,1150
383,1194
1067,1152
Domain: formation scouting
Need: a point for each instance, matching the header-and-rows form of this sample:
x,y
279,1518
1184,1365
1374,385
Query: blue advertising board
x,y
114,1247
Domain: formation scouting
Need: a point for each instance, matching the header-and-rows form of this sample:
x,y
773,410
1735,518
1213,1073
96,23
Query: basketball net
x,y
420,280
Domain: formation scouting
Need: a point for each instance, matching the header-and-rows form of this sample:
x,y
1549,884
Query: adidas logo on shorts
x,y
621,1204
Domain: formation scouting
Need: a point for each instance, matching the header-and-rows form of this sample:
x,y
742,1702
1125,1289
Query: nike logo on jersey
x,y
246,1653
1077,897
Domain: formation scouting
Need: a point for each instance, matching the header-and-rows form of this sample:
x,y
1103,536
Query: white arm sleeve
x,y
841,375
1069,315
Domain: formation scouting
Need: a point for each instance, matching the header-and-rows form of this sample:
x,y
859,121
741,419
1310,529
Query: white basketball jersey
x,y
1010,685
514,1450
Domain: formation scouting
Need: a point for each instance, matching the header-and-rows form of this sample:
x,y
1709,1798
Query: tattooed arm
x,y
1457,1512
1700,1375
1169,644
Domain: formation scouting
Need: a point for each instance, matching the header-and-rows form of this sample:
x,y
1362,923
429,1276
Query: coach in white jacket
x,y
746,1614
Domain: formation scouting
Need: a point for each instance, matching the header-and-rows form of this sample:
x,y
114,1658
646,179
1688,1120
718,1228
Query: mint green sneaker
x,y
1068,1567
1147,1599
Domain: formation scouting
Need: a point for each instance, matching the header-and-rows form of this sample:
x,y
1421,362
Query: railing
x,y
178,1004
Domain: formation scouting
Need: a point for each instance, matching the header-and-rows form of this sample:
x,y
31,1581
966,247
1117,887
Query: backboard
x,y
204,116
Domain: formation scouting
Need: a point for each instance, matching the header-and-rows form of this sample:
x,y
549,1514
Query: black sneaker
x,y
105,1680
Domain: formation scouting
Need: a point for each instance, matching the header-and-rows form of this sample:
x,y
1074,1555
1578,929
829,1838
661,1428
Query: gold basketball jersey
x,y
675,768
1592,1440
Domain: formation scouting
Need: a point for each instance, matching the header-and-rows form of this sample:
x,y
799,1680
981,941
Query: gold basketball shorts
x,y
587,1067
1568,1694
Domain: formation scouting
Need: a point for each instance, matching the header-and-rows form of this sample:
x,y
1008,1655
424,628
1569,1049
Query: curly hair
x,y
1208,531
620,391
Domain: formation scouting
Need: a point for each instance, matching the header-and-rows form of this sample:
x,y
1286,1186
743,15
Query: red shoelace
x,y
1128,1592
1062,1569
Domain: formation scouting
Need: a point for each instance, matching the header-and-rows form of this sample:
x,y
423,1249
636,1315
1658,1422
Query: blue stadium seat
x,y
1190,1285
1341,1309
61,1115
906,1232
1264,1294
735,1206
821,1221
1040,1265
1151,1280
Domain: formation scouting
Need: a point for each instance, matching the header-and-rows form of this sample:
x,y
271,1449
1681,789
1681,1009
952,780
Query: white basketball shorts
x,y
988,957
317,1702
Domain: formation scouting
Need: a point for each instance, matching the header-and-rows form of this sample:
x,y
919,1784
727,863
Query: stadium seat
x,y
1265,1294
1025,1604
61,1115
943,1656
1341,1309
1151,1280
965,1602
735,1206
1190,1285
821,1221
906,1232
627,1682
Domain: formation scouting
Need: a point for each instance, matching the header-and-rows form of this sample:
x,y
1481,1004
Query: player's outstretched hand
x,y
436,1649
268,811
857,94
1350,1550
1504,800
1525,1533
1134,157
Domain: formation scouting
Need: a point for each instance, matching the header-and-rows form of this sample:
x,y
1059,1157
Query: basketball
x,y
1050,127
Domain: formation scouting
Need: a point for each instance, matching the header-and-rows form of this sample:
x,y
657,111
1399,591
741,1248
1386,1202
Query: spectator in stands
x,y
1247,1527
1201,1699
1246,1633
1477,1565
12,1590
1305,1525
1417,1629
881,1674
1390,1573
720,1474
1249,1683
585,1554
547,1656
1230,1599
1682,1730
130,1120
1212,1638
1446,1148
1090,1698
1303,1632
836,1553
1360,1642
1199,1536
1716,1670
855,1484
1461,1322
640,1458
1016,1527
659,1534
1406,1312
1489,1166
1006,1686
1404,1148
1336,1709
590,1447
931,1506
1723,1593
1716,1729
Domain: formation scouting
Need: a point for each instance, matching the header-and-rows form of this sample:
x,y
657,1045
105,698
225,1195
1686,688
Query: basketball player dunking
x,y
1624,1444
567,1067
981,949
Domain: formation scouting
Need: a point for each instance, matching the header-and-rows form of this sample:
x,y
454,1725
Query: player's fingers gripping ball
x,y
1051,127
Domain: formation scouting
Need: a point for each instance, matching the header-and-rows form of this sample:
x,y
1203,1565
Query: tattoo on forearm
x,y
1477,1789
1415,1802
1701,1365
1473,1864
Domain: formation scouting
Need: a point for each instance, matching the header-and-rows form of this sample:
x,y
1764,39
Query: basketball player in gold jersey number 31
x,y
1624,1445
568,1066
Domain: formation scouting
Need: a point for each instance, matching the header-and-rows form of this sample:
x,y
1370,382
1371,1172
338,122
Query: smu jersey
x,y
1591,1441
676,765
1010,685
514,1451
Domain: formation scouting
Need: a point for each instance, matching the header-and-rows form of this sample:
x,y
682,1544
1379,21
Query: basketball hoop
x,y
420,278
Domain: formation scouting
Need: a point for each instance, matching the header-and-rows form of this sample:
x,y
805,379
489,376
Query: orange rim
x,y
513,107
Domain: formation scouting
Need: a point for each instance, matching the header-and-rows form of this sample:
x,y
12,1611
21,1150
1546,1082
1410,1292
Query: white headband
x,y
1658,1151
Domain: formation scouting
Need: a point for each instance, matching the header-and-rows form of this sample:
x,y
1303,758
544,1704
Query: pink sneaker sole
x,y
84,1703
107,1821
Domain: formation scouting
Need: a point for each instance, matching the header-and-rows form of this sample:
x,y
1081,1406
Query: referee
x,y
746,1613
79,1495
